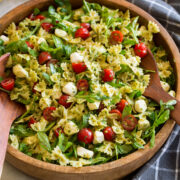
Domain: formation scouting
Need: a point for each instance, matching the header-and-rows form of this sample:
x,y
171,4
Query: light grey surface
x,y
9,172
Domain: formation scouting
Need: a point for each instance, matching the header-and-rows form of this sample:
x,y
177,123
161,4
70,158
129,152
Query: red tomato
x,y
33,90
43,57
140,50
31,121
82,85
56,132
116,37
29,44
109,134
116,111
40,17
108,75
83,33
51,61
47,113
47,26
86,25
120,106
79,67
63,101
31,17
85,135
129,122
8,84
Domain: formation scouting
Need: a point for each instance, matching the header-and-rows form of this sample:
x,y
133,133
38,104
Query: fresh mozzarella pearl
x,y
41,40
94,105
70,128
70,89
98,137
140,106
143,124
19,71
165,86
4,38
60,33
76,57
85,153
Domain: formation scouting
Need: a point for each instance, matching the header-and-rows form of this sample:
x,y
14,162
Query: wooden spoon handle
x,y
157,94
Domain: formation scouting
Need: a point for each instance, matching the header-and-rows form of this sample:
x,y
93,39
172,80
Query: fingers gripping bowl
x,y
109,169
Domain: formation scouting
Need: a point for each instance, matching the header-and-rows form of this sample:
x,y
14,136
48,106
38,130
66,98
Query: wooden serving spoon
x,y
154,89
11,111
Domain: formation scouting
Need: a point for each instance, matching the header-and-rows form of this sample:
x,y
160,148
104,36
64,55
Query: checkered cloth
x,y
165,165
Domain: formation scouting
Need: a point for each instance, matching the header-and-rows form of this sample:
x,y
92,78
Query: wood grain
x,y
111,170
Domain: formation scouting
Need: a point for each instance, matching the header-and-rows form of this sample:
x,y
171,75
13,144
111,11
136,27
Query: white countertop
x,y
9,172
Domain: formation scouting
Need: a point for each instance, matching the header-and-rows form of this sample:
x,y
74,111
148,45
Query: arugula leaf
x,y
44,141
124,68
123,52
57,41
63,142
133,28
116,84
115,99
36,11
88,6
126,111
25,149
4,90
152,140
1,42
53,14
33,52
85,120
22,131
98,160
91,97
65,5
47,78
135,94
131,42
1,79
49,126
52,68
124,149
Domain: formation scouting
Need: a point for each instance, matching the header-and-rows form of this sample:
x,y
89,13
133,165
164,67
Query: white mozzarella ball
x,y
85,153
70,89
70,128
60,33
4,38
41,40
143,124
19,71
172,93
93,106
76,57
140,106
165,86
98,137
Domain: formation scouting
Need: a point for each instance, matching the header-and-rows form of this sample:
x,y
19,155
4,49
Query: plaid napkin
x,y
165,165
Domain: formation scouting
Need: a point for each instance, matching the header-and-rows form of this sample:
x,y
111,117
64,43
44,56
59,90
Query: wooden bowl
x,y
111,170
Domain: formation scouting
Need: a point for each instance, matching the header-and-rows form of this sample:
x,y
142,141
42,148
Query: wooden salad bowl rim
x,y
110,170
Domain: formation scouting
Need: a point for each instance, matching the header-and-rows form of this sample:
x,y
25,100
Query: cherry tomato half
x,y
29,44
82,85
47,26
117,112
51,61
109,134
82,32
108,75
129,122
40,17
47,113
56,132
116,37
140,50
120,106
86,25
85,135
63,101
43,57
79,67
31,121
8,84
